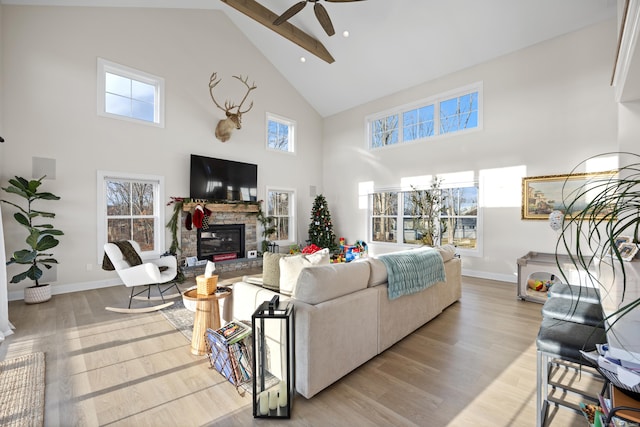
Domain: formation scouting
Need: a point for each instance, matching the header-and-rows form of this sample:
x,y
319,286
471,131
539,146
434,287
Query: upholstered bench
x,y
577,311
581,293
560,341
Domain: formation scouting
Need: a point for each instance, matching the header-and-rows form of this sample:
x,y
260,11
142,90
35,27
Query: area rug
x,y
180,318
22,391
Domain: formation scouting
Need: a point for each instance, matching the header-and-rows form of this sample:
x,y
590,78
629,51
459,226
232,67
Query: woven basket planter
x,y
37,294
206,285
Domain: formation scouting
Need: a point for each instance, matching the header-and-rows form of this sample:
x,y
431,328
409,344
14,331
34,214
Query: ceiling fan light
x,y
345,34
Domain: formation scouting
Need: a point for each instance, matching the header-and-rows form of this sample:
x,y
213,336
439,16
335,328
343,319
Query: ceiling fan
x,y
321,13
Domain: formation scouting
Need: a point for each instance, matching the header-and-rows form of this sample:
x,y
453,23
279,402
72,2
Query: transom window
x,y
281,207
130,209
442,114
280,133
130,94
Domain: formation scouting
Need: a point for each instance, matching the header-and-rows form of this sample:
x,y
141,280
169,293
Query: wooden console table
x,y
207,316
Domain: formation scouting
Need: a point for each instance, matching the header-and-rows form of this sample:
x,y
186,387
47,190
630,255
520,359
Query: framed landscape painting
x,y
542,195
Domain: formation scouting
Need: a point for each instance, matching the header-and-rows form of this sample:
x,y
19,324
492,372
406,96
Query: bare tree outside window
x,y
420,121
460,212
385,131
130,212
384,219
280,133
279,208
459,113
430,216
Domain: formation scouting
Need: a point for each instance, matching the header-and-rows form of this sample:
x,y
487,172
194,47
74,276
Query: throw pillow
x,y
447,252
290,268
271,270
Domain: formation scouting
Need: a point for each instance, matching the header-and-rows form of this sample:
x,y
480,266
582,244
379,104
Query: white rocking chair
x,y
154,272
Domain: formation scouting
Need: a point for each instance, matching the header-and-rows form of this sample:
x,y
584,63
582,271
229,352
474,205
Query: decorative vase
x,y
37,294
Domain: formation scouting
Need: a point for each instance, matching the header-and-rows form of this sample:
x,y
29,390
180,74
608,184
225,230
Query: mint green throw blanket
x,y
412,271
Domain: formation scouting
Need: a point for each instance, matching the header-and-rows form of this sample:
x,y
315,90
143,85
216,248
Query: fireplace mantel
x,y
224,207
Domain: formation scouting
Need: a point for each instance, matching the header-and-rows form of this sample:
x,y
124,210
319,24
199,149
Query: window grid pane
x,y
118,198
384,222
118,229
131,98
278,135
279,208
459,113
417,123
385,131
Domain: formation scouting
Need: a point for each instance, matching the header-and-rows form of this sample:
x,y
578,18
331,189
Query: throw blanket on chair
x,y
413,271
130,255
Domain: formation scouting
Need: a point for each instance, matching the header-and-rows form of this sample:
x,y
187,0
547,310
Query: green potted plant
x,y
40,238
268,228
602,213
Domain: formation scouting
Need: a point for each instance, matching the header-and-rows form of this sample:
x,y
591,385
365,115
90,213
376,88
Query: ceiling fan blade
x,y
290,12
323,18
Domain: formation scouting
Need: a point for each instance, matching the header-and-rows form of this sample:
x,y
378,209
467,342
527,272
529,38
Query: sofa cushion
x,y
326,282
291,266
447,252
271,270
378,272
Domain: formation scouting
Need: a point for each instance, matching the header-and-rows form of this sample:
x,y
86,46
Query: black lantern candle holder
x,y
273,359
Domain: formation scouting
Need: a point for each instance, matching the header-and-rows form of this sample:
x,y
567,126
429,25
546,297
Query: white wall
x,y
4,308
50,111
546,108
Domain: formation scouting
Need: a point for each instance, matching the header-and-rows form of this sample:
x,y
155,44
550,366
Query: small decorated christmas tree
x,y
321,227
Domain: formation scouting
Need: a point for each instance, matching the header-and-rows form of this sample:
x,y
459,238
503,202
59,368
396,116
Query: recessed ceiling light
x,y
345,34
303,59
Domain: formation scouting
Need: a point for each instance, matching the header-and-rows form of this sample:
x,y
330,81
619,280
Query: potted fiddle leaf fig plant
x,y
40,237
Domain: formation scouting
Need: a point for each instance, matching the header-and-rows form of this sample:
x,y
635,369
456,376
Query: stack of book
x,y
230,352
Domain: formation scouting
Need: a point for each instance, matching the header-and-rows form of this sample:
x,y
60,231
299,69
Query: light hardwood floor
x,y
473,365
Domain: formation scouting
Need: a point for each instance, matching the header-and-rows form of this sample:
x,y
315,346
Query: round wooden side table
x,y
207,316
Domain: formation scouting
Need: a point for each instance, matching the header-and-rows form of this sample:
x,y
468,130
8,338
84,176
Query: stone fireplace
x,y
221,242
232,230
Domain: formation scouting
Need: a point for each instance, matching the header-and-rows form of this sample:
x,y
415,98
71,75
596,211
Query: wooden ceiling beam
x,y
264,16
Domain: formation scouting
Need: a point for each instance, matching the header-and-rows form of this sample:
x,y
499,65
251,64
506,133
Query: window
x,y
280,133
459,113
385,131
384,221
281,207
460,217
129,94
130,208
457,212
443,114
418,123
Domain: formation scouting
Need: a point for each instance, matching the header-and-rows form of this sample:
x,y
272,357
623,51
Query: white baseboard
x,y
70,287
87,286
491,276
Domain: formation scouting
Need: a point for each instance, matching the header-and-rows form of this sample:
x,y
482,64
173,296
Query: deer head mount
x,y
234,118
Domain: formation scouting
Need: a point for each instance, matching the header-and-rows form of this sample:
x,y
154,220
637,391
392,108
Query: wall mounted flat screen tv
x,y
218,179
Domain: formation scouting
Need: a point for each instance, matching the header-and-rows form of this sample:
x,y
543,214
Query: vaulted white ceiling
x,y
393,44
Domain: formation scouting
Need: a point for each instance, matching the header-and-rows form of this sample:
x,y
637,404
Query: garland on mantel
x,y
178,204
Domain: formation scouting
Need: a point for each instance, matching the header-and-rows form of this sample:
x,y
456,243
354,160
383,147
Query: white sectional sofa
x,y
344,317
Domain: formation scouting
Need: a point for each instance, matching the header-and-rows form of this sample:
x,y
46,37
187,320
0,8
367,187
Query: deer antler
x,y
212,85
233,120
249,89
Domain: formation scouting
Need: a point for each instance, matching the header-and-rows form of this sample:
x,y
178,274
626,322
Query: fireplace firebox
x,y
221,241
